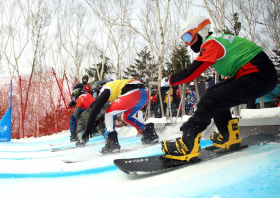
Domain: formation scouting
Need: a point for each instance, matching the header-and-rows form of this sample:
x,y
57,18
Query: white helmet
x,y
192,83
199,24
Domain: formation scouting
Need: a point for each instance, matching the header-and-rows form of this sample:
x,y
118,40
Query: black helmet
x,y
85,76
136,74
96,87
78,89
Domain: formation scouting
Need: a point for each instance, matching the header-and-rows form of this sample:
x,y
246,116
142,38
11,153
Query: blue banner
x,y
5,126
6,121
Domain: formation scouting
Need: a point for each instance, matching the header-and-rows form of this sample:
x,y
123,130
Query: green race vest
x,y
238,52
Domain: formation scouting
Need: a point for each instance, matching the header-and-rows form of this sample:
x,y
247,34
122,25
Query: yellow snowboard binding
x,y
179,151
234,140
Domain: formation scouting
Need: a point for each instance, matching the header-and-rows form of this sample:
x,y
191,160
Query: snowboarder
x,y
84,100
73,120
252,76
127,96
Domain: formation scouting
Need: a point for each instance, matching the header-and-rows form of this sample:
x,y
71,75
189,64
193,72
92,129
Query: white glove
x,y
165,85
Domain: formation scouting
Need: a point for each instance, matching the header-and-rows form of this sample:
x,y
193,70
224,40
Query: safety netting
x,y
39,103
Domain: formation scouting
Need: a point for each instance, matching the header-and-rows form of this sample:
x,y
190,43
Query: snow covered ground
x,y
29,169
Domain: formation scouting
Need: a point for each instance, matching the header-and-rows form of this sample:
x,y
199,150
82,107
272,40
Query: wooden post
x,y
149,102
183,98
196,91
236,111
167,105
262,103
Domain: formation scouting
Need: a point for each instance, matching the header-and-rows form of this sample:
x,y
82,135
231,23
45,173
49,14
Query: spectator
x,y
192,91
209,81
87,87
153,103
268,98
176,97
137,77
73,120
119,122
190,102
165,103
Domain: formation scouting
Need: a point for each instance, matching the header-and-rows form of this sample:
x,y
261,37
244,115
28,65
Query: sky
x,y
28,168
26,59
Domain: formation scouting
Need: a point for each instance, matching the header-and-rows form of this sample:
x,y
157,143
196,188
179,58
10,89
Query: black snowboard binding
x,y
149,135
111,143
81,142
178,150
95,132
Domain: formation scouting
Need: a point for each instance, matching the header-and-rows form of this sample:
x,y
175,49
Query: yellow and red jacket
x,y
116,86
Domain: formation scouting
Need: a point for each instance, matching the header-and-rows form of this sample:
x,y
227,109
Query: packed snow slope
x,y
28,167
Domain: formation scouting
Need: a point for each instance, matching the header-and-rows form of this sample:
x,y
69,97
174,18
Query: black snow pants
x,y
219,98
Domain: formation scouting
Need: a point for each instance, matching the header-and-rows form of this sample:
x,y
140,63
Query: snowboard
x,y
57,149
69,161
136,147
160,164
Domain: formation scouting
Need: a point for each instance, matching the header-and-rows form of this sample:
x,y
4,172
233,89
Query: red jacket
x,y
87,87
83,102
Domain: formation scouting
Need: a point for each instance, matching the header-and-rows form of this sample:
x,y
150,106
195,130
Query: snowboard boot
x,y
230,139
149,135
95,132
80,141
111,143
73,137
179,150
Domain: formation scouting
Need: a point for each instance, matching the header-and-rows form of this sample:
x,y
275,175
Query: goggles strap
x,y
201,25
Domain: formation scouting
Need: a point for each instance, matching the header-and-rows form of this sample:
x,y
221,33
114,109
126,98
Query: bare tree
x,y
20,36
108,15
121,38
2,42
271,24
152,27
92,49
21,19
249,16
216,10
71,25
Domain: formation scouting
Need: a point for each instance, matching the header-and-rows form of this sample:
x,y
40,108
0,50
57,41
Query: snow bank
x,y
260,113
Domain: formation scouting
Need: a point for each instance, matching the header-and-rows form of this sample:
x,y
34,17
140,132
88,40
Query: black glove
x,y
86,136
164,89
96,123
94,131
72,104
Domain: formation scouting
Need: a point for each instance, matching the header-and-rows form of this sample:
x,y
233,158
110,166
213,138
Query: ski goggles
x,y
188,36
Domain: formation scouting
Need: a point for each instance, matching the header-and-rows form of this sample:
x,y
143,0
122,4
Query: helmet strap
x,y
209,34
